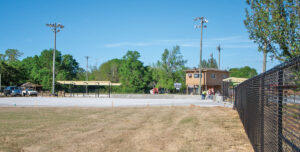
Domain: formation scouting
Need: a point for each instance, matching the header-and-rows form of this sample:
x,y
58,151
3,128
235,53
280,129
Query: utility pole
x,y
0,82
55,28
203,20
86,73
219,50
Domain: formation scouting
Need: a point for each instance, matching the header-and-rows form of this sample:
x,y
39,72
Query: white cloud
x,y
226,42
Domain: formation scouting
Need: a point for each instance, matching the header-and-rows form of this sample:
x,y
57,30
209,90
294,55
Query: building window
x,y
224,76
190,75
197,75
213,75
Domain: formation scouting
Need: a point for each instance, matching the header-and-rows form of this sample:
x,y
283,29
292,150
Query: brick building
x,y
212,78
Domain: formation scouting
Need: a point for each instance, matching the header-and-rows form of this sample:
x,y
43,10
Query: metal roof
x,y
234,79
90,83
206,69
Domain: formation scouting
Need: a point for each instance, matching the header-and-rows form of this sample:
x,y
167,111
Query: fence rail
x,y
269,108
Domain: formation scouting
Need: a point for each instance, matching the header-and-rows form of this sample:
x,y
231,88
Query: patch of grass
x,y
192,120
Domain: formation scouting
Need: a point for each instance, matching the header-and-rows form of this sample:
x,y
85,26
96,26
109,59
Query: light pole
x,y
55,28
202,21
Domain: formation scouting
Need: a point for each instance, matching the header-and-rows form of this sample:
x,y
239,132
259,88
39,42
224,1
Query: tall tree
x,y
274,26
170,69
258,24
13,54
10,75
40,67
68,68
286,24
108,71
210,63
133,73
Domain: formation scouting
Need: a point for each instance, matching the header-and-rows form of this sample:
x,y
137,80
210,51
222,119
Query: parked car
x,y
29,92
12,91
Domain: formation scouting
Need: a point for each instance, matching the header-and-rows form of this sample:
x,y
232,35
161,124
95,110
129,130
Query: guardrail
x,y
269,108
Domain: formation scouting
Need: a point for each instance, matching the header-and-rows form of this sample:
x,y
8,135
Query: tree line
x,y
129,70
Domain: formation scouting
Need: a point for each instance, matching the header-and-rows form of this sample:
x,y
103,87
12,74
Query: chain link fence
x,y
269,108
228,91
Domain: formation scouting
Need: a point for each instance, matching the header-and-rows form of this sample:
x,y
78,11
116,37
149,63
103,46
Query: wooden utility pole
x,y
219,50
86,74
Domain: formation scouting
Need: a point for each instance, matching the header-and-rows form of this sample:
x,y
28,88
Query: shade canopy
x,y
89,83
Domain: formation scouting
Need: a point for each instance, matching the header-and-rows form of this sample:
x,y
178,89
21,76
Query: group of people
x,y
208,94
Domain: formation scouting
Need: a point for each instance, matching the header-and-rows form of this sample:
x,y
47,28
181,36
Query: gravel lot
x,y
103,102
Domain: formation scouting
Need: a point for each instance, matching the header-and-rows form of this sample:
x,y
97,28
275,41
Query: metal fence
x,y
269,108
228,91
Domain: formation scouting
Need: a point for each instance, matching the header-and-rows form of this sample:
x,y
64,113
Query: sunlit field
x,y
122,129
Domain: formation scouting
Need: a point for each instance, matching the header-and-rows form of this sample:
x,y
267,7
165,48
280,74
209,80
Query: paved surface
x,y
103,102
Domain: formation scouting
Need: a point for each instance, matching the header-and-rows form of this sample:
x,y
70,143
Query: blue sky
x,y
105,29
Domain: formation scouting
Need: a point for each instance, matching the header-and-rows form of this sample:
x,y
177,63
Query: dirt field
x,y
122,129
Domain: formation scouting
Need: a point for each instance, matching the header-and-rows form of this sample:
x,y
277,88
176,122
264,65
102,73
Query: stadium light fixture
x,y
203,20
55,28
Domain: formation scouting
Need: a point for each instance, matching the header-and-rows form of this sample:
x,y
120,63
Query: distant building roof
x,y
30,85
235,80
206,69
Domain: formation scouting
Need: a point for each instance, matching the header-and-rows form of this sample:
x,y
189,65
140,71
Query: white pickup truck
x,y
29,92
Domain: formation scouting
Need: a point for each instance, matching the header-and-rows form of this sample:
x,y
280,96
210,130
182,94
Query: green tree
x,y
170,69
39,68
2,57
285,22
132,73
274,26
68,68
209,63
109,71
244,72
13,55
10,75
258,24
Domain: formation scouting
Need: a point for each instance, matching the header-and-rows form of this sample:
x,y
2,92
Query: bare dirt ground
x,y
122,129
